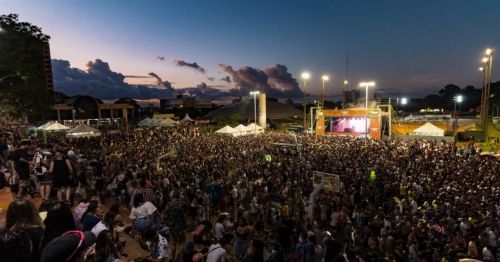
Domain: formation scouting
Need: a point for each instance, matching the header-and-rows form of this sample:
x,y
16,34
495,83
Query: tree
x,y
22,74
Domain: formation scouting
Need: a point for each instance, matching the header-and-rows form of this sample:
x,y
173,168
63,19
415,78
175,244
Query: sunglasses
x,y
82,238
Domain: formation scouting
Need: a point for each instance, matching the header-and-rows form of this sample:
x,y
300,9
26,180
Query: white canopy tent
x,y
146,122
242,130
255,128
83,130
167,122
227,131
187,119
55,128
428,130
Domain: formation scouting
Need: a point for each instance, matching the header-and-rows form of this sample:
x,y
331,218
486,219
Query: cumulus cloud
x,y
202,85
160,58
100,81
131,76
226,79
207,93
211,78
272,80
194,66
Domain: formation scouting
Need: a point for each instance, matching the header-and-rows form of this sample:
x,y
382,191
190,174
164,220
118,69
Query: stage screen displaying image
x,y
346,124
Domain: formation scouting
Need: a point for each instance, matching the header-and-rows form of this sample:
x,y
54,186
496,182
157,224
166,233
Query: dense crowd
x,y
411,200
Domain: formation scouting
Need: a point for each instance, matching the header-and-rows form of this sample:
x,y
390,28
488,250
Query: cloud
x,y
202,85
211,78
160,58
226,79
272,80
160,82
194,66
100,81
138,76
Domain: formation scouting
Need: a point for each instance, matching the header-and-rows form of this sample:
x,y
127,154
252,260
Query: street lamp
x,y
325,78
458,99
255,93
305,76
403,102
366,85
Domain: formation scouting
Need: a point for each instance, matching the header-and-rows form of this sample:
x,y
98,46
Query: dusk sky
x,y
409,48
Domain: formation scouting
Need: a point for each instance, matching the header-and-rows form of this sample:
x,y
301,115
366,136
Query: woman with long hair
x,y
62,175
142,214
59,220
22,215
105,249
15,246
241,239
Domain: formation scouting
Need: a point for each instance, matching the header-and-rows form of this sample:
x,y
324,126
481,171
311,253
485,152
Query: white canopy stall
x,y
227,131
255,129
428,130
242,130
83,130
54,128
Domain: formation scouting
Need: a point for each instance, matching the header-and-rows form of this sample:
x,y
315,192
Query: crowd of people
x,y
247,198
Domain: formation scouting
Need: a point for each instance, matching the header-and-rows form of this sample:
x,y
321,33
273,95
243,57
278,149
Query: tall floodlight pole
x,y
366,85
325,78
459,100
305,76
403,102
489,53
255,93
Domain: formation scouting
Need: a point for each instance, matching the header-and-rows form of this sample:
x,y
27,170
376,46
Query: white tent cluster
x,y
240,130
428,130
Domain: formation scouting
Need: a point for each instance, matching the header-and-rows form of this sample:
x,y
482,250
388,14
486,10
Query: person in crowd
x,y
142,214
20,166
71,246
79,211
156,244
91,217
23,216
41,161
216,251
58,221
176,213
204,234
16,246
105,249
242,235
305,248
62,174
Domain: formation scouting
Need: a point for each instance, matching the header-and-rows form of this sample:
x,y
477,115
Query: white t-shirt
x,y
99,228
144,210
219,230
216,254
334,217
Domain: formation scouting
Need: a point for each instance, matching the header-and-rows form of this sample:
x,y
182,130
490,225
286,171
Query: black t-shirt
x,y
21,167
35,234
333,248
284,234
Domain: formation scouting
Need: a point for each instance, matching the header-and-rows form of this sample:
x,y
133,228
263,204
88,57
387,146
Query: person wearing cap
x,y
72,246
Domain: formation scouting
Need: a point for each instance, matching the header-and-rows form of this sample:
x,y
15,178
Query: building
x,y
90,109
47,63
184,102
351,96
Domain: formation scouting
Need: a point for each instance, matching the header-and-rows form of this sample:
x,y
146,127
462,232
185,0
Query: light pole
x,y
305,76
325,78
343,93
366,85
486,94
255,93
403,102
457,117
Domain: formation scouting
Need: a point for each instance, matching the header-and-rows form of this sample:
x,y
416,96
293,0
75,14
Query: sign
x,y
332,182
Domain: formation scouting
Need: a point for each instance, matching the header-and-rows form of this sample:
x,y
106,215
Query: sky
x,y
222,48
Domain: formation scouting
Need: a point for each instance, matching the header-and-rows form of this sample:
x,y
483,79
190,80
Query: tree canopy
x,y
22,74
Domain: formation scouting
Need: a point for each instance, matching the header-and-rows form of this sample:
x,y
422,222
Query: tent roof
x,y
428,128
46,125
226,129
187,118
55,127
241,127
83,128
253,126
169,121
